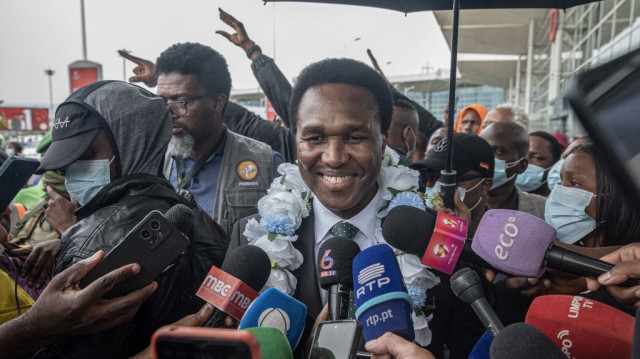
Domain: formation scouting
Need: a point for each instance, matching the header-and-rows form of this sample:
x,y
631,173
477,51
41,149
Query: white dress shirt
x,y
366,221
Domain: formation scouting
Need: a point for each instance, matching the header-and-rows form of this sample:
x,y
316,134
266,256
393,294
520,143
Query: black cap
x,y
74,128
335,261
470,152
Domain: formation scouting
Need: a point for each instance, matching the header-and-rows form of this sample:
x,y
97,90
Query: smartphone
x,y
14,173
154,244
336,339
189,342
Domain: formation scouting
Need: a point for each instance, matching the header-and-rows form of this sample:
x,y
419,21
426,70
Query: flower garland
x,y
288,201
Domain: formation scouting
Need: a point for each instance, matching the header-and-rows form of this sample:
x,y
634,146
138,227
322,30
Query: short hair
x,y
556,148
617,217
16,146
343,71
402,101
207,64
517,113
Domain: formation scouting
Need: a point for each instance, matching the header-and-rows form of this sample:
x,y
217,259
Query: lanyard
x,y
182,181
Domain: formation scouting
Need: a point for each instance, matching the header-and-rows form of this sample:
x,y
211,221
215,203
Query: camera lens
x,y
155,225
153,239
145,234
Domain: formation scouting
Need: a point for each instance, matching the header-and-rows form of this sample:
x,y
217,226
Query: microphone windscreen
x,y
523,341
408,229
250,264
482,348
273,343
335,261
181,217
513,242
275,309
582,327
382,302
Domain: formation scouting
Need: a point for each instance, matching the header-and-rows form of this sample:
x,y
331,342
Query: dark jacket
x,y
108,217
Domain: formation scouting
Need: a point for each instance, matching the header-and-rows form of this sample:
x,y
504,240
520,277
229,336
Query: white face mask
x,y
500,172
11,152
430,191
411,149
84,179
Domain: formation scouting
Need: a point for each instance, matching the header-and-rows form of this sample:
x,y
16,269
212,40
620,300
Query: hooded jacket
x,y
138,126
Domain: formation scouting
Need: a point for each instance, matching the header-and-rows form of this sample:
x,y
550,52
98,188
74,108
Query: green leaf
x,y
283,178
418,312
394,191
304,195
271,236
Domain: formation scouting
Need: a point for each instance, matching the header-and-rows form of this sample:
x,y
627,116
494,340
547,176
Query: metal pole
x,y
518,74
448,175
528,84
124,65
50,73
84,32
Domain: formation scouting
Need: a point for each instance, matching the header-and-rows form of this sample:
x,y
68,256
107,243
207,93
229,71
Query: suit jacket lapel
x,y
307,290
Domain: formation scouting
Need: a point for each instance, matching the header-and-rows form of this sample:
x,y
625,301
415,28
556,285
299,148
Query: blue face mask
x,y
500,172
553,177
431,191
564,211
531,179
84,179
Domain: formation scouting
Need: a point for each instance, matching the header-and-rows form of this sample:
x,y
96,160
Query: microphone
x,y
273,344
524,341
430,235
382,302
581,327
466,285
482,348
181,217
522,245
232,288
274,309
335,273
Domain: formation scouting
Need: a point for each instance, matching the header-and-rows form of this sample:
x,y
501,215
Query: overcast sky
x,y
41,34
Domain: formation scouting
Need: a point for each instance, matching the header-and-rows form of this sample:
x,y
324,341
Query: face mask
x,y
11,152
410,150
531,179
84,179
431,191
564,211
500,172
553,177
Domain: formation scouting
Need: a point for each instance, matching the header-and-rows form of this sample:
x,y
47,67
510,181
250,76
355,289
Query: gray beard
x,y
183,145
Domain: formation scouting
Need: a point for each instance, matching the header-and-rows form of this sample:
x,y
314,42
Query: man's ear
x,y
522,165
485,186
221,101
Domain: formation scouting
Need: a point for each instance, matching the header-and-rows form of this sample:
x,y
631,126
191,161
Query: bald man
x,y
510,144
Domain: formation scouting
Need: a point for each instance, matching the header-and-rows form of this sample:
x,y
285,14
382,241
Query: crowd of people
x,y
117,151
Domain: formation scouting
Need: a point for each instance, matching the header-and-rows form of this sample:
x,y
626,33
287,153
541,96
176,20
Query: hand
x,y
39,263
554,282
390,346
145,71
627,261
460,209
59,212
376,67
240,37
322,317
64,310
193,320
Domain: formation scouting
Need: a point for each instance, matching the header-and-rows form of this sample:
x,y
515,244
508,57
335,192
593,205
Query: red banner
x,y
31,118
82,76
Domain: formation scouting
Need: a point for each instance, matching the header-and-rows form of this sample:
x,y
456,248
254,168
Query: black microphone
x,y
249,264
466,285
335,273
181,217
409,229
524,341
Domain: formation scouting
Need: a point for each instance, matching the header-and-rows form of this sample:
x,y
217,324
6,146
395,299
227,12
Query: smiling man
x,y
341,108
227,173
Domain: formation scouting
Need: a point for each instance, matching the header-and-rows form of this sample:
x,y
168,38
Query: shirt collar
x,y
366,220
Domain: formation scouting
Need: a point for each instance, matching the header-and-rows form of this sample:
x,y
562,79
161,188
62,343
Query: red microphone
x,y
234,287
583,328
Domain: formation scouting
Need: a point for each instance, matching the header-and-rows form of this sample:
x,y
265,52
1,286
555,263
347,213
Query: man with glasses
x,y
226,173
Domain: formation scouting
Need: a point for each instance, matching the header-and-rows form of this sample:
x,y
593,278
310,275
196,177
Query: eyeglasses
x,y
179,108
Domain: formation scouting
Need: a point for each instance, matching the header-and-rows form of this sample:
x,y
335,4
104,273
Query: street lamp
x,y
50,73
124,65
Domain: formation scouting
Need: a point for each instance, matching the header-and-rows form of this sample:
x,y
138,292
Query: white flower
x,y
280,251
280,202
400,178
282,280
390,157
292,178
253,230
416,273
421,329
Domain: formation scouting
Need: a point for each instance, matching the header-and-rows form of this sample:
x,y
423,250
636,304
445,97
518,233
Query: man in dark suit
x,y
342,108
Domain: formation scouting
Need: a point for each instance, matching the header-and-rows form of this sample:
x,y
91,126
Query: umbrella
x,y
448,175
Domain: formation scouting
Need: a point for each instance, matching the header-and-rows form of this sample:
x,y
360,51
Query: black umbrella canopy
x,y
448,176
407,6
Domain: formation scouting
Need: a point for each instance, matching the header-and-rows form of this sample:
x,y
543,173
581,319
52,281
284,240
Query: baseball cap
x,y
470,152
74,128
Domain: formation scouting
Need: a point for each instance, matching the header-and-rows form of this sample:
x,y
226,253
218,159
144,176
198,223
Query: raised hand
x,y
145,72
240,37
